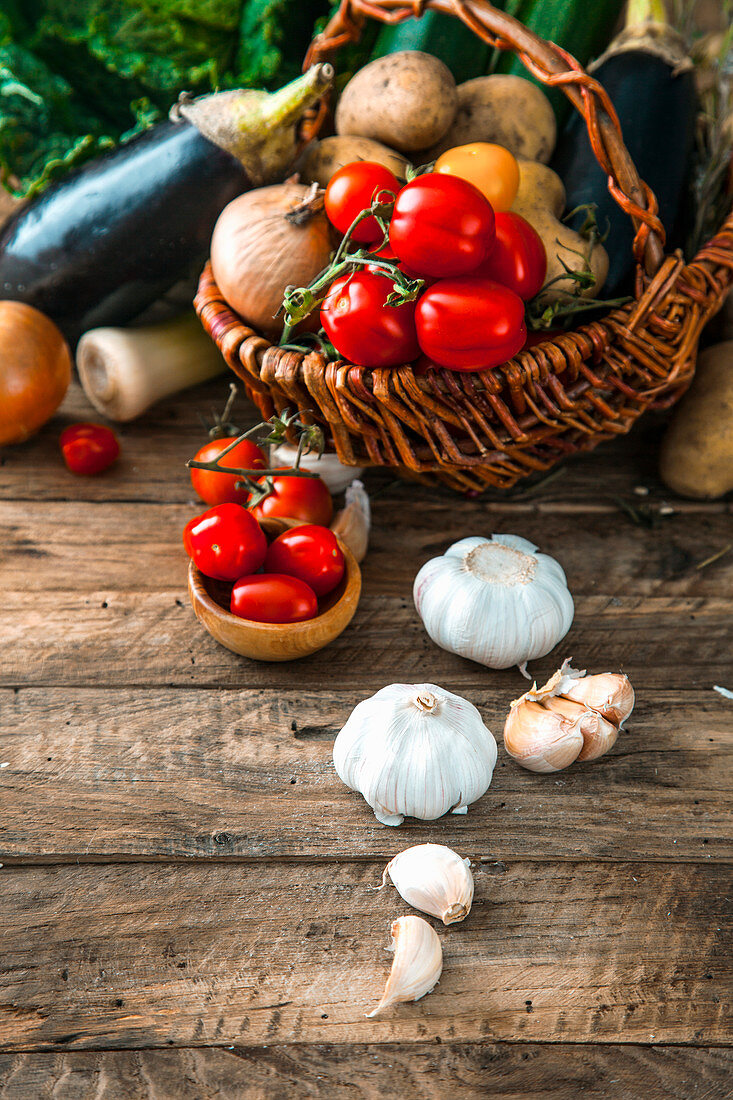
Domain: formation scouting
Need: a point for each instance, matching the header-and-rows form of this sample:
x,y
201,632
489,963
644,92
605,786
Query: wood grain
x,y
425,1071
142,955
156,447
152,638
605,554
202,774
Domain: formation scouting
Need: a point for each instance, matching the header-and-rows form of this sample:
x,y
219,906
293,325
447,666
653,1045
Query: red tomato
x,y
309,552
273,598
225,542
470,323
388,253
363,328
303,498
518,259
88,448
216,488
441,226
353,188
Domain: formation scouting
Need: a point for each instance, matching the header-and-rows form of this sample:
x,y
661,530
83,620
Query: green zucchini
x,y
582,27
443,36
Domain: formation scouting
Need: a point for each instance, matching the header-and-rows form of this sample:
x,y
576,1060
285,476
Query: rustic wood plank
x,y
390,1071
152,638
599,552
147,955
155,448
248,775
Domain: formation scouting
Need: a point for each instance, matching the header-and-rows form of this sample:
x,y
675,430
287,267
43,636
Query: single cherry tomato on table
x,y
518,259
311,553
273,598
225,542
441,226
303,498
363,328
491,168
470,323
88,448
353,188
216,488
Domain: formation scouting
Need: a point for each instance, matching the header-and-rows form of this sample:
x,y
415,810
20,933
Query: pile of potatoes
x,y
406,108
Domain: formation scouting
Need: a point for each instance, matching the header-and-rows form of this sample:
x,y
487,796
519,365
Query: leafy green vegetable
x,y
80,76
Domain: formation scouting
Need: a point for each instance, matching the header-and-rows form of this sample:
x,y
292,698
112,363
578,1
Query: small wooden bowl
x,y
275,641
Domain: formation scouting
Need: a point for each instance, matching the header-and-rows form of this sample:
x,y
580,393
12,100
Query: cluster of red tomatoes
x,y
479,267
276,583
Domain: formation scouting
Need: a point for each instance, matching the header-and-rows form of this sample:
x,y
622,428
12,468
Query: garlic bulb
x,y
415,750
417,965
434,879
353,523
571,717
327,466
496,601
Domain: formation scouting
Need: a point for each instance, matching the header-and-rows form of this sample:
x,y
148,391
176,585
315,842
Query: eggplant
x,y
650,81
101,245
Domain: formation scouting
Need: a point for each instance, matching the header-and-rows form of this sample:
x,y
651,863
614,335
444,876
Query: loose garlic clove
x,y
327,465
598,735
434,879
541,740
609,693
353,522
417,965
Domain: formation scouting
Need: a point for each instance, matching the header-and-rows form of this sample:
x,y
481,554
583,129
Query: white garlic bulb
x,y
434,879
497,601
327,466
417,965
571,717
415,750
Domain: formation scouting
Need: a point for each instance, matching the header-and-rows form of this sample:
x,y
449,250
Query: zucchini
x,y
650,81
443,36
582,27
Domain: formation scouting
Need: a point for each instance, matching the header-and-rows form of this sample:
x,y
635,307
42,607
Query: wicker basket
x,y
567,394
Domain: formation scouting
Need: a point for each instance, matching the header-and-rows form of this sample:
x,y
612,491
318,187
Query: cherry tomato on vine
x,y
470,323
273,598
353,188
225,542
88,448
216,488
518,259
441,226
491,168
311,553
388,253
363,328
303,498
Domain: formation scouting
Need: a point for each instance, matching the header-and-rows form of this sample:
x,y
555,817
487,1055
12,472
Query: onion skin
x,y
256,252
35,370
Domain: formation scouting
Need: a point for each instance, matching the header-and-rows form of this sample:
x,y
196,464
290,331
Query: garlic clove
x,y
327,465
417,964
353,522
599,735
434,879
609,693
541,740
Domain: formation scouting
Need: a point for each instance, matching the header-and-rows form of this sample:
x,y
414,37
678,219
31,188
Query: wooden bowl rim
x,y
351,581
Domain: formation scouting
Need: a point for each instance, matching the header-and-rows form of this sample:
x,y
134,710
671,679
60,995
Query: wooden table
x,y
186,902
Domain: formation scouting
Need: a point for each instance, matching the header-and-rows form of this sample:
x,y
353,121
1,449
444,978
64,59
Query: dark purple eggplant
x,y
102,244
649,79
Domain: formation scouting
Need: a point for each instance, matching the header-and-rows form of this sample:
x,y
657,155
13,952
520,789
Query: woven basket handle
x,y
551,66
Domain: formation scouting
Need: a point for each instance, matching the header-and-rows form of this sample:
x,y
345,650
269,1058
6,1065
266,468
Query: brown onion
x,y
35,370
264,241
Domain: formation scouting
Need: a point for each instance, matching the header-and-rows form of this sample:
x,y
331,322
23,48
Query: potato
x,y
505,110
406,100
696,458
541,200
322,158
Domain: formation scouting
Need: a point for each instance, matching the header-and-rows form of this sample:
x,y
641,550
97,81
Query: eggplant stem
x,y
640,12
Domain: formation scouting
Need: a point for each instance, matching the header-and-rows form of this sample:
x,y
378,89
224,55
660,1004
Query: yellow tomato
x,y
490,168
